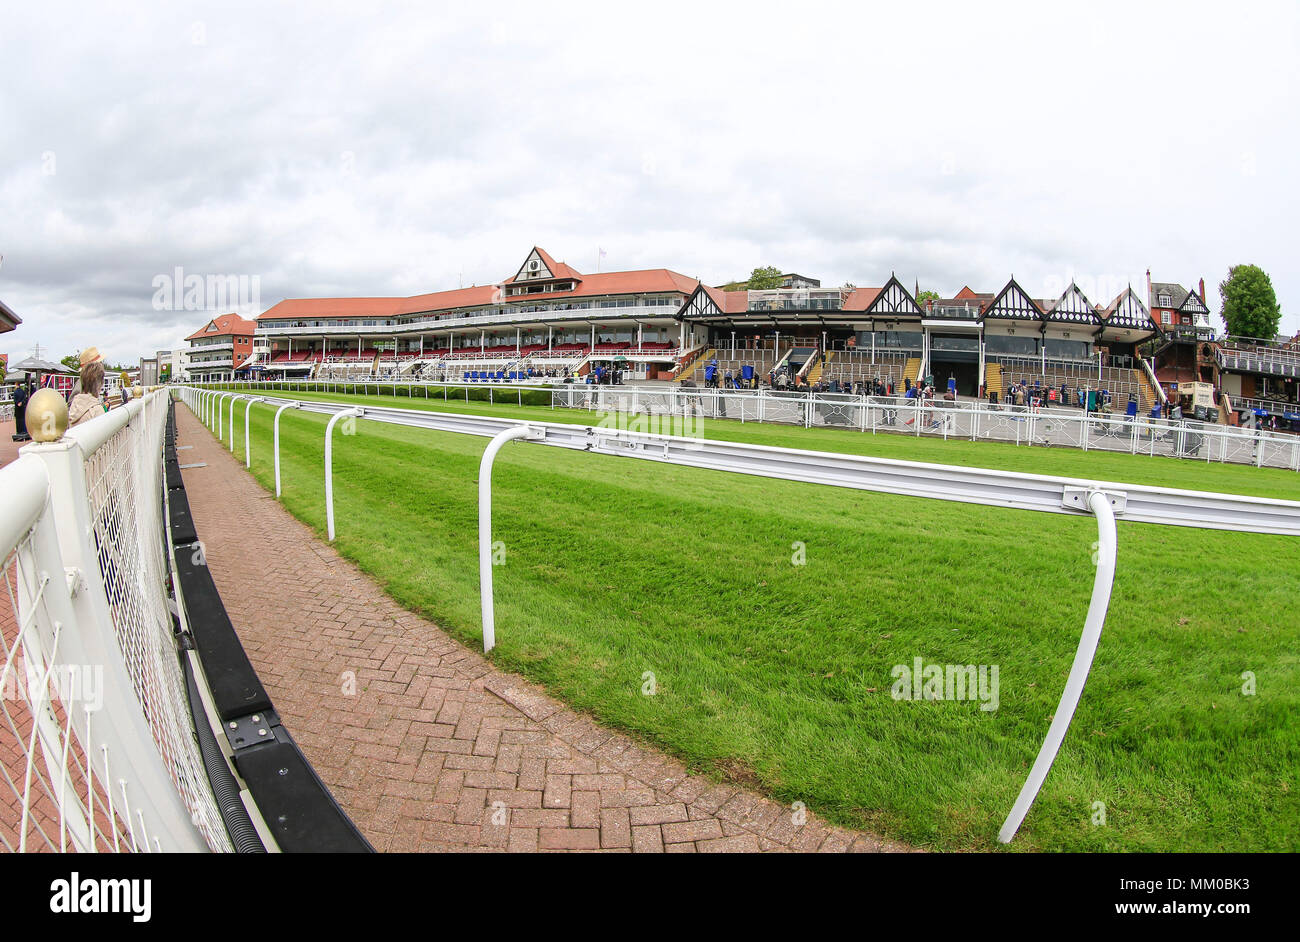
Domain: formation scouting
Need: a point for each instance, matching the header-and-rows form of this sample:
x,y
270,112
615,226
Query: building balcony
x,y
599,315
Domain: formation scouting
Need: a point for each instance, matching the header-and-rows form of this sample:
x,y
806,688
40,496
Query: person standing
x,y
86,404
22,392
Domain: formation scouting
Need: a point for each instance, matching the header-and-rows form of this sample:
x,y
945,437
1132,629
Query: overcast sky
x,y
369,149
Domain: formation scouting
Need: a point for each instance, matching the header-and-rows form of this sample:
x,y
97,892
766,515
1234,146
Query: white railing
x,y
425,325
1271,406
97,747
974,420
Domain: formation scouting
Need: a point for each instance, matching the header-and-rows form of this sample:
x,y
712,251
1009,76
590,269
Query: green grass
x,y
780,674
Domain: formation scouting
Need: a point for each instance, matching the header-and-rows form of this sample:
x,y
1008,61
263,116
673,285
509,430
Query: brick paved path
x,y
438,750
8,447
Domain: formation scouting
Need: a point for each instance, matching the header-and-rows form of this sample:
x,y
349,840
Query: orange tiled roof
x,y
860,299
653,280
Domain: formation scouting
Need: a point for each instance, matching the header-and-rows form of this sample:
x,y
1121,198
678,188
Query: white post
x,y
329,468
232,424
1099,504
248,451
275,435
485,525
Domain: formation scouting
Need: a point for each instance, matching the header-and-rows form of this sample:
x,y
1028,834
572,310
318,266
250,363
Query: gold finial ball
x,y
47,416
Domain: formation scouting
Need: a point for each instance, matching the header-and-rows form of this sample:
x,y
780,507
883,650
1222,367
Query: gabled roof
x,y
1128,311
1072,307
1013,303
894,300
1193,304
706,301
553,268
860,299
968,294
1177,294
220,326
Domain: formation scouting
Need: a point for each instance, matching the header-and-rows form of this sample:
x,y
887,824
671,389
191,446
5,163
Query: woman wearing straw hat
x,y
86,405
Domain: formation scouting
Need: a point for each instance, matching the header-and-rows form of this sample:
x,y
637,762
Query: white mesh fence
x,y
97,747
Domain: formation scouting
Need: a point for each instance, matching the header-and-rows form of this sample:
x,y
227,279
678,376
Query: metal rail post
x,y
329,467
485,524
1099,503
248,451
276,440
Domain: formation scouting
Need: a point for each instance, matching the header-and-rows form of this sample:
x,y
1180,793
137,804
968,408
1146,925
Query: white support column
x,y
485,524
1099,504
329,467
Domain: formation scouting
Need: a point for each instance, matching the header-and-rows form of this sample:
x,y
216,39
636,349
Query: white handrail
x,y
329,467
276,440
485,524
248,450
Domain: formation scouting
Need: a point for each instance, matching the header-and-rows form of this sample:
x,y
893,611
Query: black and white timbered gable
x,y
1073,307
1194,305
1127,312
1013,304
894,301
700,306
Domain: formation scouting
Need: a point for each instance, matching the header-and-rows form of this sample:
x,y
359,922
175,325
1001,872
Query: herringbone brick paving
x,y
436,749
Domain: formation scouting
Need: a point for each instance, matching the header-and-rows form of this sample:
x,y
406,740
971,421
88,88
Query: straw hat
x,y
91,355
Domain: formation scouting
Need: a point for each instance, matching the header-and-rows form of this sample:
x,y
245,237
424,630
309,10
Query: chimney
x,y
1202,290
1149,301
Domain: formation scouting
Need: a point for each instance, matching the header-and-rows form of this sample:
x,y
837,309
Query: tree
x,y
1250,307
926,295
761,279
72,361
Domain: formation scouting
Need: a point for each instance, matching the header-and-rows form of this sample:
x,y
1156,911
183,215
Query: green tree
x,y
926,295
761,279
1250,307
72,361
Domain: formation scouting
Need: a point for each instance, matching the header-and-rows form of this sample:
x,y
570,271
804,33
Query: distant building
x,y
180,365
799,281
219,348
1173,306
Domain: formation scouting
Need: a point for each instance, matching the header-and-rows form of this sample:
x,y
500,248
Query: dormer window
x,y
1165,301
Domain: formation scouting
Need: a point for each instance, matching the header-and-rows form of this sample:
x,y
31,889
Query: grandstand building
x,y
982,340
549,320
547,317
